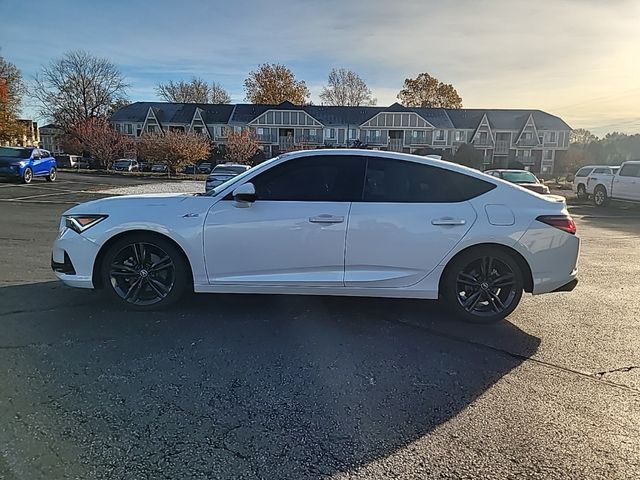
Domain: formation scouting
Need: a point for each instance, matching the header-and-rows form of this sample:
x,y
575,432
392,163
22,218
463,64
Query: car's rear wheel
x,y
27,175
53,174
483,285
145,272
600,198
581,192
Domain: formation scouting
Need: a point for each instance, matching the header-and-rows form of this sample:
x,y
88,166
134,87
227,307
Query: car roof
x,y
507,170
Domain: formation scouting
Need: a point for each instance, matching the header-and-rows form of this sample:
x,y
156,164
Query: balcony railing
x,y
483,142
528,142
375,139
502,147
417,141
264,137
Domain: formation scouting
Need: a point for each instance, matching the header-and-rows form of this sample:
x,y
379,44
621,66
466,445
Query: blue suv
x,y
23,164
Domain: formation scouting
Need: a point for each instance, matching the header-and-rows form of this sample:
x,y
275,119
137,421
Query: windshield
x,y
238,178
121,163
15,152
227,169
519,177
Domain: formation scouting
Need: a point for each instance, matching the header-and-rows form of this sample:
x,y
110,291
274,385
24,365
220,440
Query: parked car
x,y
126,165
205,167
72,161
328,222
24,164
624,185
524,178
583,180
223,172
189,169
144,166
160,168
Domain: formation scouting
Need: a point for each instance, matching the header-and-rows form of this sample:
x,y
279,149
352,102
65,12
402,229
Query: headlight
x,y
79,223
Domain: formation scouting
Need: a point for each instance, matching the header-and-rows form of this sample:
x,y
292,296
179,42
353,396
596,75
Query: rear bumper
x,y
567,287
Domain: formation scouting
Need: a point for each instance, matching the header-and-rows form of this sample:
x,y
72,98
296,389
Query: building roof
x,y
243,113
173,112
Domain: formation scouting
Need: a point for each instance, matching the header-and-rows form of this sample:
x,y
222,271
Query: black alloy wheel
x,y
484,286
145,272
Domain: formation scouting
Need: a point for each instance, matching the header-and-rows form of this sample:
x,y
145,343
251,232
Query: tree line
x,y
585,148
78,92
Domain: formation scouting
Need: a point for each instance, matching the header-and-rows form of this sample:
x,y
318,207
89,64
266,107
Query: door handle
x,y
448,221
324,218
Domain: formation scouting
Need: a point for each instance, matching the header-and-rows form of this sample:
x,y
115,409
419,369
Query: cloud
x,y
546,54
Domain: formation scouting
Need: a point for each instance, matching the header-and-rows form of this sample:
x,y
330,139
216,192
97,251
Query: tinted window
x,y
44,154
601,170
320,178
583,172
630,170
410,182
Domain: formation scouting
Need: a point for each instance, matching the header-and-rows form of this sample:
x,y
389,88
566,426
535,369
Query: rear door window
x,y
583,172
401,181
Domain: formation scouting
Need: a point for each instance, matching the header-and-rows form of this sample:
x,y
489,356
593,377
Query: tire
x,y
129,276
581,192
27,176
600,198
483,285
53,174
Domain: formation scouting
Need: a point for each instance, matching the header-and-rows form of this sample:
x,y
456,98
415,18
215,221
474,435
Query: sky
x,y
578,59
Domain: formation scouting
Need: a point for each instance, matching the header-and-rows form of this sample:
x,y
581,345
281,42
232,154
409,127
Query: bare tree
x,y
175,148
242,146
195,90
76,87
11,90
274,84
218,94
345,87
100,139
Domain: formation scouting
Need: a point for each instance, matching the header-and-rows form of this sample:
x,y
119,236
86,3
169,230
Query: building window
x,y
353,134
547,154
198,129
151,128
129,129
459,136
551,137
118,127
330,133
261,131
528,136
439,136
526,153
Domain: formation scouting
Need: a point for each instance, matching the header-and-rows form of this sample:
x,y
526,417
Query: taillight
x,y
563,222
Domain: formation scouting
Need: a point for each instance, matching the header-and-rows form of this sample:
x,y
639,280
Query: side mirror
x,y
244,195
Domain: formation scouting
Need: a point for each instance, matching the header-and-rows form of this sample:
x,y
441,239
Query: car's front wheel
x,y
27,175
145,271
581,192
483,285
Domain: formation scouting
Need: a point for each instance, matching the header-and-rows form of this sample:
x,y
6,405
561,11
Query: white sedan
x,y
328,222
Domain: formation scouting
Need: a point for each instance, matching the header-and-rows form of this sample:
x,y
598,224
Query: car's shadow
x,y
234,386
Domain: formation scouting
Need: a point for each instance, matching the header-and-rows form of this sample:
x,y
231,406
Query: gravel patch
x,y
187,186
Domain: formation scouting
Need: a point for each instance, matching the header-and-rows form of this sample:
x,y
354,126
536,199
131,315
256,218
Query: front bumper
x,y
72,259
10,172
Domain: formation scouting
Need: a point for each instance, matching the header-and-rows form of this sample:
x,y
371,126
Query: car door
x,y
36,162
627,182
411,216
294,233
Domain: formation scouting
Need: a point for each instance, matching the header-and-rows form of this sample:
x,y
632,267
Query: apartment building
x,y
533,138
28,136
50,138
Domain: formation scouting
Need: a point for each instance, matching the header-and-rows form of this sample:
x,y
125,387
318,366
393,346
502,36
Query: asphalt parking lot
x,y
275,387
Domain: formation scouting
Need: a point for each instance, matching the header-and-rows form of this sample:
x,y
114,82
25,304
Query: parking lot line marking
x,y
59,192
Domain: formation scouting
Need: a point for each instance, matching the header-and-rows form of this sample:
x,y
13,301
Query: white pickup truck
x,y
623,185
